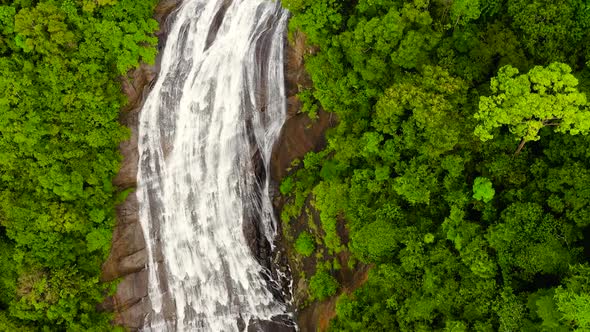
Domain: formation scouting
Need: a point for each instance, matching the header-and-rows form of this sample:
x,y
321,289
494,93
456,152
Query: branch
x,y
520,146
547,122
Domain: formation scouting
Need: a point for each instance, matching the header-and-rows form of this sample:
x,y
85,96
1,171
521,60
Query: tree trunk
x,y
520,146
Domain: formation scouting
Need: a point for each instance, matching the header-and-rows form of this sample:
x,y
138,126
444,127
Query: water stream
x,y
205,138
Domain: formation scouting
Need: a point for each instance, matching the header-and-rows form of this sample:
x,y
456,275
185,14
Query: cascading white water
x,y
206,134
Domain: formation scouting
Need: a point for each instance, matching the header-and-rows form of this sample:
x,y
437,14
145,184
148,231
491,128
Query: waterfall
x,y
206,133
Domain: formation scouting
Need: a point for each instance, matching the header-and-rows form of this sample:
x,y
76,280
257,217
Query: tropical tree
x,y
545,96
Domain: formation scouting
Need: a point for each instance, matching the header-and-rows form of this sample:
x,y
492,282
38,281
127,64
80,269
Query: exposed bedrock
x,y
128,256
299,134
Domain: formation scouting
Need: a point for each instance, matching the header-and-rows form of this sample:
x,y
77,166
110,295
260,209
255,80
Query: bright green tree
x,y
322,285
573,300
545,96
483,189
305,244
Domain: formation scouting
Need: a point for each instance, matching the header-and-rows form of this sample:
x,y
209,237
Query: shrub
x,y
322,285
305,244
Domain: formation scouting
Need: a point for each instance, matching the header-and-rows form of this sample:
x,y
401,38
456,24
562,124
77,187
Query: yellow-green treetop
x,y
545,96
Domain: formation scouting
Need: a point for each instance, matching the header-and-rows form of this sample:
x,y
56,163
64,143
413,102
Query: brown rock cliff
x,y
128,257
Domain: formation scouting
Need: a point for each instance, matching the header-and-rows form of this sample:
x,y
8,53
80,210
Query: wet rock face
x,y
299,134
128,252
277,324
128,257
163,11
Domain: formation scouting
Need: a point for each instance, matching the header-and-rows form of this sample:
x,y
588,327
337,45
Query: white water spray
x,y
206,134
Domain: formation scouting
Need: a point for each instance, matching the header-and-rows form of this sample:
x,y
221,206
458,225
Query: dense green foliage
x,y
305,244
60,98
463,234
483,190
322,285
526,103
